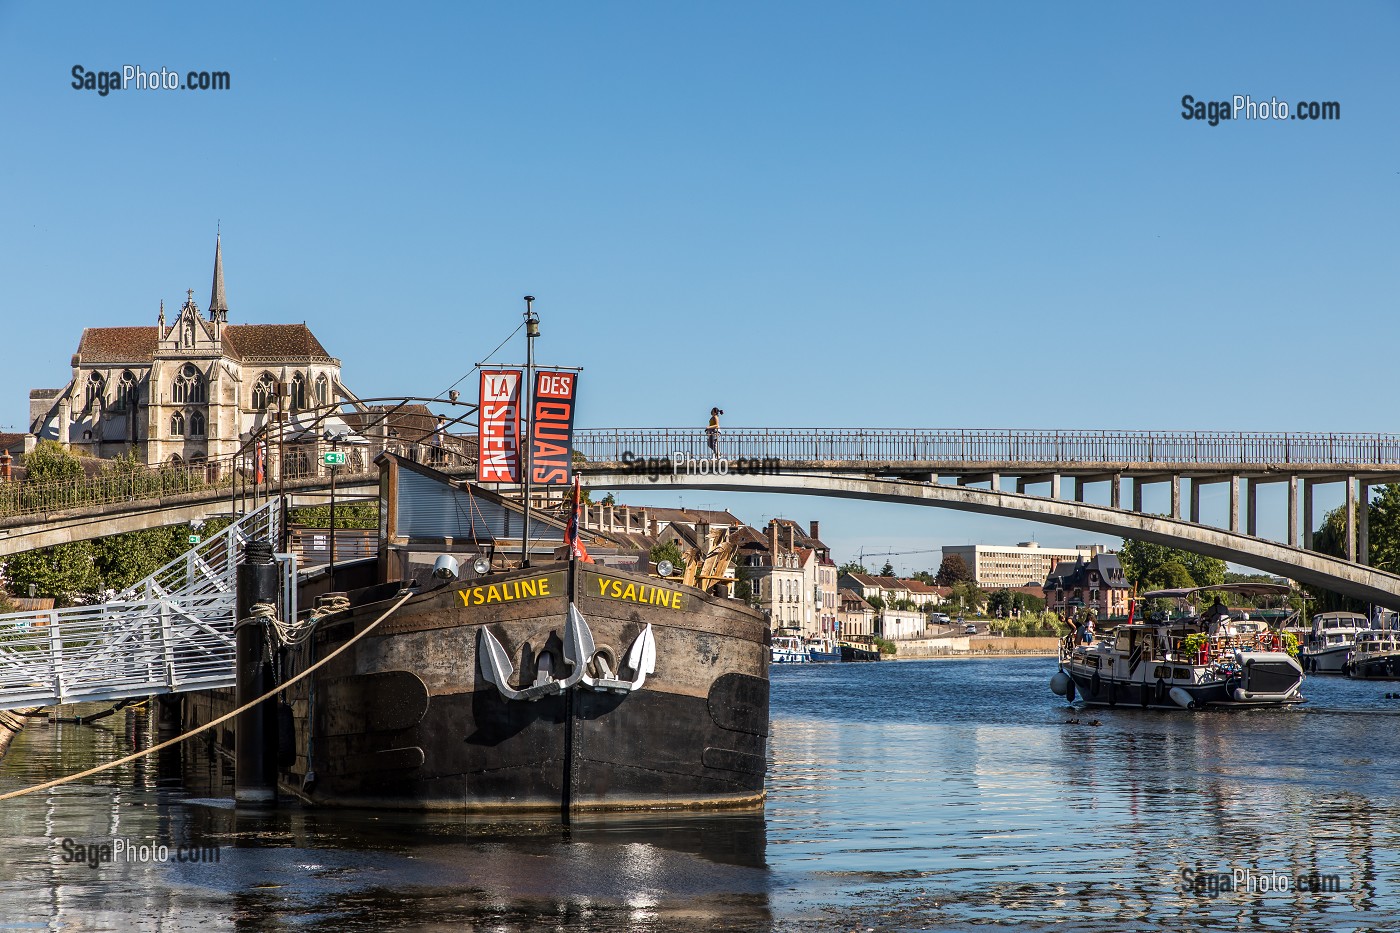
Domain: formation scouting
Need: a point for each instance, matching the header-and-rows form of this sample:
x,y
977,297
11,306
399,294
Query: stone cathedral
x,y
185,391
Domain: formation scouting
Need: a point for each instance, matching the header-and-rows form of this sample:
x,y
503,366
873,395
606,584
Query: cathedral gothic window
x,y
197,424
323,391
265,391
96,387
298,392
177,425
188,385
126,391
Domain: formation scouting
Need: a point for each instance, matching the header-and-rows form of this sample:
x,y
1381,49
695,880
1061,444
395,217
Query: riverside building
x,y
994,566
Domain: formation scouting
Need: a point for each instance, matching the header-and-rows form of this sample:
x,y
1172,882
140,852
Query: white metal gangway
x,y
171,632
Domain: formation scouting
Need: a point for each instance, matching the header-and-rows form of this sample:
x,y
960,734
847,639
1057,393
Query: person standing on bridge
x,y
712,432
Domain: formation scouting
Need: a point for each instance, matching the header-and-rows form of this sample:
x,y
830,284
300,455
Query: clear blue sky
x,y
898,214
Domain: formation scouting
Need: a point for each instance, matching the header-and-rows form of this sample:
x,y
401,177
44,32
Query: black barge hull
x,y
410,718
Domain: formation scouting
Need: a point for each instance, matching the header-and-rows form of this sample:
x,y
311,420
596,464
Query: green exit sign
x,y
333,458
194,539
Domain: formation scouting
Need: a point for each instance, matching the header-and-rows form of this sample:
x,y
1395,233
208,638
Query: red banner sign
x,y
552,429
498,427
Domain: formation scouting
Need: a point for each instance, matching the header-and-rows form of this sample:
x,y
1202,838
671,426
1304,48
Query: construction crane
x,y
860,557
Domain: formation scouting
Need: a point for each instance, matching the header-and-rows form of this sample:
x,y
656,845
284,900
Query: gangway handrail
x,y
171,631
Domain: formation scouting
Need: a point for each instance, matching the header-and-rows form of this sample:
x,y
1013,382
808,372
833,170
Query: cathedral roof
x,y
260,342
118,344
274,342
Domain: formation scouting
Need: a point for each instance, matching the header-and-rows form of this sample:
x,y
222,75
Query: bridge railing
x,y
25,498
1169,448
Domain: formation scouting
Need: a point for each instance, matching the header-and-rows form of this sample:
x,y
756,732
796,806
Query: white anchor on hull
x,y
579,650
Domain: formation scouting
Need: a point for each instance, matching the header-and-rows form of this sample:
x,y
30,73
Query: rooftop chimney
x,y
815,527
773,539
791,537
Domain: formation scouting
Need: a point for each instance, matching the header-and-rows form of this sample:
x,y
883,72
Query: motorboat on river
x,y
1375,657
787,649
1331,640
821,648
1189,661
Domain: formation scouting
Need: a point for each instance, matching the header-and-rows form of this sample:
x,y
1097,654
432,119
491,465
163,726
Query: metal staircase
x,y
171,632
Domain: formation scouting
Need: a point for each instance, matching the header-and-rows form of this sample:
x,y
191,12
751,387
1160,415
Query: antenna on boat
x,y
532,330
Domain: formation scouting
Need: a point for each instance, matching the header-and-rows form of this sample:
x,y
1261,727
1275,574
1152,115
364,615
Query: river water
x,y
921,795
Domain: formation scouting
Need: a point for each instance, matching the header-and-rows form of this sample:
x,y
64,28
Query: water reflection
x,y
991,806
938,795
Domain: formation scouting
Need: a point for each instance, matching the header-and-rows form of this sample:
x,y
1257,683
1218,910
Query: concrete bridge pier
x,y
1308,485
1351,518
1234,482
1293,482
1251,504
1176,495
1363,524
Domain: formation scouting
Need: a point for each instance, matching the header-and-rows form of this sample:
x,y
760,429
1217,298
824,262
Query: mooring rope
x,y
212,723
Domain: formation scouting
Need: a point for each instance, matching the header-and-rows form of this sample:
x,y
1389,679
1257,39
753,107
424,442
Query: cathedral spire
x,y
162,317
218,304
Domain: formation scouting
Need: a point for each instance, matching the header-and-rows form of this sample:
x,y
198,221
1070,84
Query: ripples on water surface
x,y
914,795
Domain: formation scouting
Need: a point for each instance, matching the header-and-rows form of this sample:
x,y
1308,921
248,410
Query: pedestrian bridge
x,y
1333,573
1059,461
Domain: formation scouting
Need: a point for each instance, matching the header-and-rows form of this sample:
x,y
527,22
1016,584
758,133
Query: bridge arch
x,y
1333,573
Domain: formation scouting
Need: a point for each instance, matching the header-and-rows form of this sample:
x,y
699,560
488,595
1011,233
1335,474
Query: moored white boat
x,y
787,649
1331,640
1375,657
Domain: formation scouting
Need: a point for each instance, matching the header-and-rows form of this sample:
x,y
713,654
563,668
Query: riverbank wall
x,y
975,646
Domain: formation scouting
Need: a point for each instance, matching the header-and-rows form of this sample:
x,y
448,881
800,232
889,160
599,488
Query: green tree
x,y
1001,602
123,559
924,577
66,572
349,515
1027,602
1155,566
1384,528
668,550
967,595
953,570
51,462
851,566
887,570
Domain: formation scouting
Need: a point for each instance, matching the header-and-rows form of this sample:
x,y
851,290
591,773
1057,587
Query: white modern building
x,y
994,566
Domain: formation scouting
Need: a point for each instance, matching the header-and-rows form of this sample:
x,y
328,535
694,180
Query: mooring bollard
x,y
255,730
